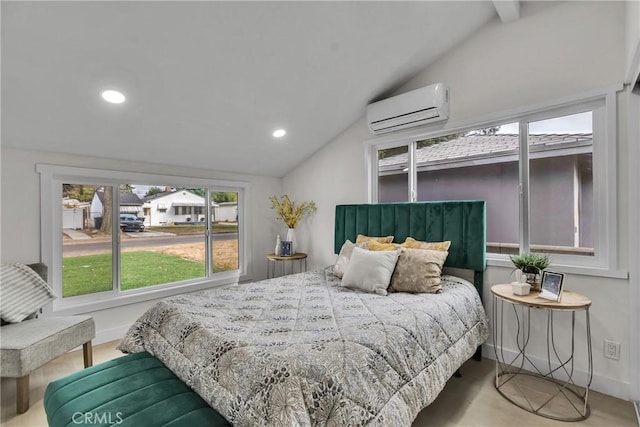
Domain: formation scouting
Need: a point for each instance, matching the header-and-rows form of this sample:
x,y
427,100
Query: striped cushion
x,y
23,292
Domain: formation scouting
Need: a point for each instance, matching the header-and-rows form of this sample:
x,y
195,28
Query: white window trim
x,y
606,264
51,179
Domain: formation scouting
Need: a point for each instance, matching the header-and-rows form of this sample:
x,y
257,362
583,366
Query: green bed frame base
x,y
461,222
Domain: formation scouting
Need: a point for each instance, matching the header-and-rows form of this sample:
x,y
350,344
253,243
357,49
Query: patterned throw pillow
x,y
374,245
362,238
345,255
412,243
370,271
418,271
23,292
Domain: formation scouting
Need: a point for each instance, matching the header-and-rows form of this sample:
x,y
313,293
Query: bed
x,y
303,350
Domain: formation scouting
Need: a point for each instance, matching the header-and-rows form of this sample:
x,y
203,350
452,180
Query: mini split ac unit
x,y
418,107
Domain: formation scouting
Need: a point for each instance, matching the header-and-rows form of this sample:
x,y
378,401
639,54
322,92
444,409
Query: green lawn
x,y
92,273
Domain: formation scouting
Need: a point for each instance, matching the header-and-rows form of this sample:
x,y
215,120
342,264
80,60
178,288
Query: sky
x,y
575,123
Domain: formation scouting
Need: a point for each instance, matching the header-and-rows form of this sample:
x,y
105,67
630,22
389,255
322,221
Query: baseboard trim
x,y
110,334
599,383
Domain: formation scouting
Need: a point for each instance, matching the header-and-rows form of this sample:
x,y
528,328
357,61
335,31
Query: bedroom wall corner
x,y
335,174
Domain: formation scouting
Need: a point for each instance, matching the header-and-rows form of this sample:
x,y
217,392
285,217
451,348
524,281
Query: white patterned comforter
x,y
301,350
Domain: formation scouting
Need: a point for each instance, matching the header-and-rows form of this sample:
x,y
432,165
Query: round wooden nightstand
x,y
272,259
551,391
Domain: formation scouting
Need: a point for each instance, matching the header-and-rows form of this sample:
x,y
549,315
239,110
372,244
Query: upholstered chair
x,y
31,343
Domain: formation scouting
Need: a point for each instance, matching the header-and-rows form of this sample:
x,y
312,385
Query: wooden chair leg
x,y
87,353
22,394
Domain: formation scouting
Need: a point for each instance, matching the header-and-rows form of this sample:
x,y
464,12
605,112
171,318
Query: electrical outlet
x,y
611,350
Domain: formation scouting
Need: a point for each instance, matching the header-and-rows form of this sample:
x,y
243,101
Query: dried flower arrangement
x,y
291,212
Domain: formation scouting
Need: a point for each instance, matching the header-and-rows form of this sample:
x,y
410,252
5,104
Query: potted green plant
x,y
531,264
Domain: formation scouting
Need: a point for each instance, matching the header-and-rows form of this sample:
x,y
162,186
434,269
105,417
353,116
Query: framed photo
x,y
551,285
285,248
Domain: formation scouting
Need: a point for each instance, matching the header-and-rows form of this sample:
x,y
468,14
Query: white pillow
x,y
370,270
345,255
23,292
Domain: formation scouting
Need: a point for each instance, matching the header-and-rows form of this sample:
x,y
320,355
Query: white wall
x,y
552,51
634,243
633,40
20,239
633,74
334,175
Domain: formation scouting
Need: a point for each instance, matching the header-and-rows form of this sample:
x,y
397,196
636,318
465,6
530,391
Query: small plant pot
x,y
534,279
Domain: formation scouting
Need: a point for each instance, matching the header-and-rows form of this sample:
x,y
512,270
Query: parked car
x,y
130,222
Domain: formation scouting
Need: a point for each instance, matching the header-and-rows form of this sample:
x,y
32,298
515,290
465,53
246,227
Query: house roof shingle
x,y
126,199
470,149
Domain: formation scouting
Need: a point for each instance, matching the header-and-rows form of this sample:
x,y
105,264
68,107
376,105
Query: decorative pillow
x,y
345,255
370,271
374,245
362,238
23,292
418,271
412,243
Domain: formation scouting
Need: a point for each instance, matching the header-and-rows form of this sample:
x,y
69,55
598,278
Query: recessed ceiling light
x,y
279,133
113,96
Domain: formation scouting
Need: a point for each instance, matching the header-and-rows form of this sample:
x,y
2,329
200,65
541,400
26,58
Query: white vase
x,y
291,237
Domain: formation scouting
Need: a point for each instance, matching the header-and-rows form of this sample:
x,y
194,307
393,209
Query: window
x,y
545,175
117,240
478,164
393,174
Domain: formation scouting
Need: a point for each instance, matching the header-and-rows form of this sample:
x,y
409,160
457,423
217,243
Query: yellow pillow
x,y
412,243
362,238
374,245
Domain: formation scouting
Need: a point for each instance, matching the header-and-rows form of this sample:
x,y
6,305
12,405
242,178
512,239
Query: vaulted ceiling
x,y
206,83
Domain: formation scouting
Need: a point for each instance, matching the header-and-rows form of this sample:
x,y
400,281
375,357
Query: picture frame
x,y
552,284
285,248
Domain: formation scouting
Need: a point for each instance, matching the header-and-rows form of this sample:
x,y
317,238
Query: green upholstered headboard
x,y
462,222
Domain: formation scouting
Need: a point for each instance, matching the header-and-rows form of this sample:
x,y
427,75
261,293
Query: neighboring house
x,y
486,167
227,212
129,203
171,207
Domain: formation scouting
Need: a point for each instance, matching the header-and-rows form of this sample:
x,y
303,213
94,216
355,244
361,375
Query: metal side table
x,y
549,391
272,258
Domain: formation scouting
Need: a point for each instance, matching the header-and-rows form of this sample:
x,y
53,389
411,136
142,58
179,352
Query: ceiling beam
x,y
508,10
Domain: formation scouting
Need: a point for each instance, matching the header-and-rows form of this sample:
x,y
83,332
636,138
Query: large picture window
x,y
110,239
545,176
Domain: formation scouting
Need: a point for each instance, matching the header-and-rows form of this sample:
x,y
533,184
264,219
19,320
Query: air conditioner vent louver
x,y
422,106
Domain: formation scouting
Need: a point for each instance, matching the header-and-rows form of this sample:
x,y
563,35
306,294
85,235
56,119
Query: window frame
x,y
603,102
51,179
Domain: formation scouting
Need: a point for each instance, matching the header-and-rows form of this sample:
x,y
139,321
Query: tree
x,y
437,140
82,193
154,190
485,131
221,197
107,203
199,191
